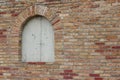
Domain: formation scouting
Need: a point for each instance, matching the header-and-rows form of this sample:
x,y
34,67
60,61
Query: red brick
x,y
1,73
100,43
1,33
68,71
38,63
98,78
105,47
68,77
58,28
116,47
6,68
101,50
3,36
55,22
15,14
111,57
94,75
2,12
3,30
73,74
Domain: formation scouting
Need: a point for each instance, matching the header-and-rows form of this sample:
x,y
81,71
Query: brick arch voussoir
x,y
41,10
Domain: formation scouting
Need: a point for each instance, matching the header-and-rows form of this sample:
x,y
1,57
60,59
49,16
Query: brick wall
x,y
87,40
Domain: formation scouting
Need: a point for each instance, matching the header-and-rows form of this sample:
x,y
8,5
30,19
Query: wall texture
x,y
87,39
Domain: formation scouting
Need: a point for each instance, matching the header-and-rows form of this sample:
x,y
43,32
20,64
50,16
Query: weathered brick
x,y
87,39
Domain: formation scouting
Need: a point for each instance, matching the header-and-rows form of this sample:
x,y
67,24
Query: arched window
x,y
38,41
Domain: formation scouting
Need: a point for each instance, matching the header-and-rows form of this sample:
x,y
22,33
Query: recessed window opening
x,y
38,40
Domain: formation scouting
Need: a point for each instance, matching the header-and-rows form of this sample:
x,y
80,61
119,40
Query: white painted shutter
x,y
47,42
38,41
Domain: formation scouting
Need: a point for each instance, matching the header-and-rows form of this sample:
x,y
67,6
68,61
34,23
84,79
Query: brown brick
x,y
100,43
112,37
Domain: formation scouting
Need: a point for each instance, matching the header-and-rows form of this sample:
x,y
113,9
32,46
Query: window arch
x,y
38,40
